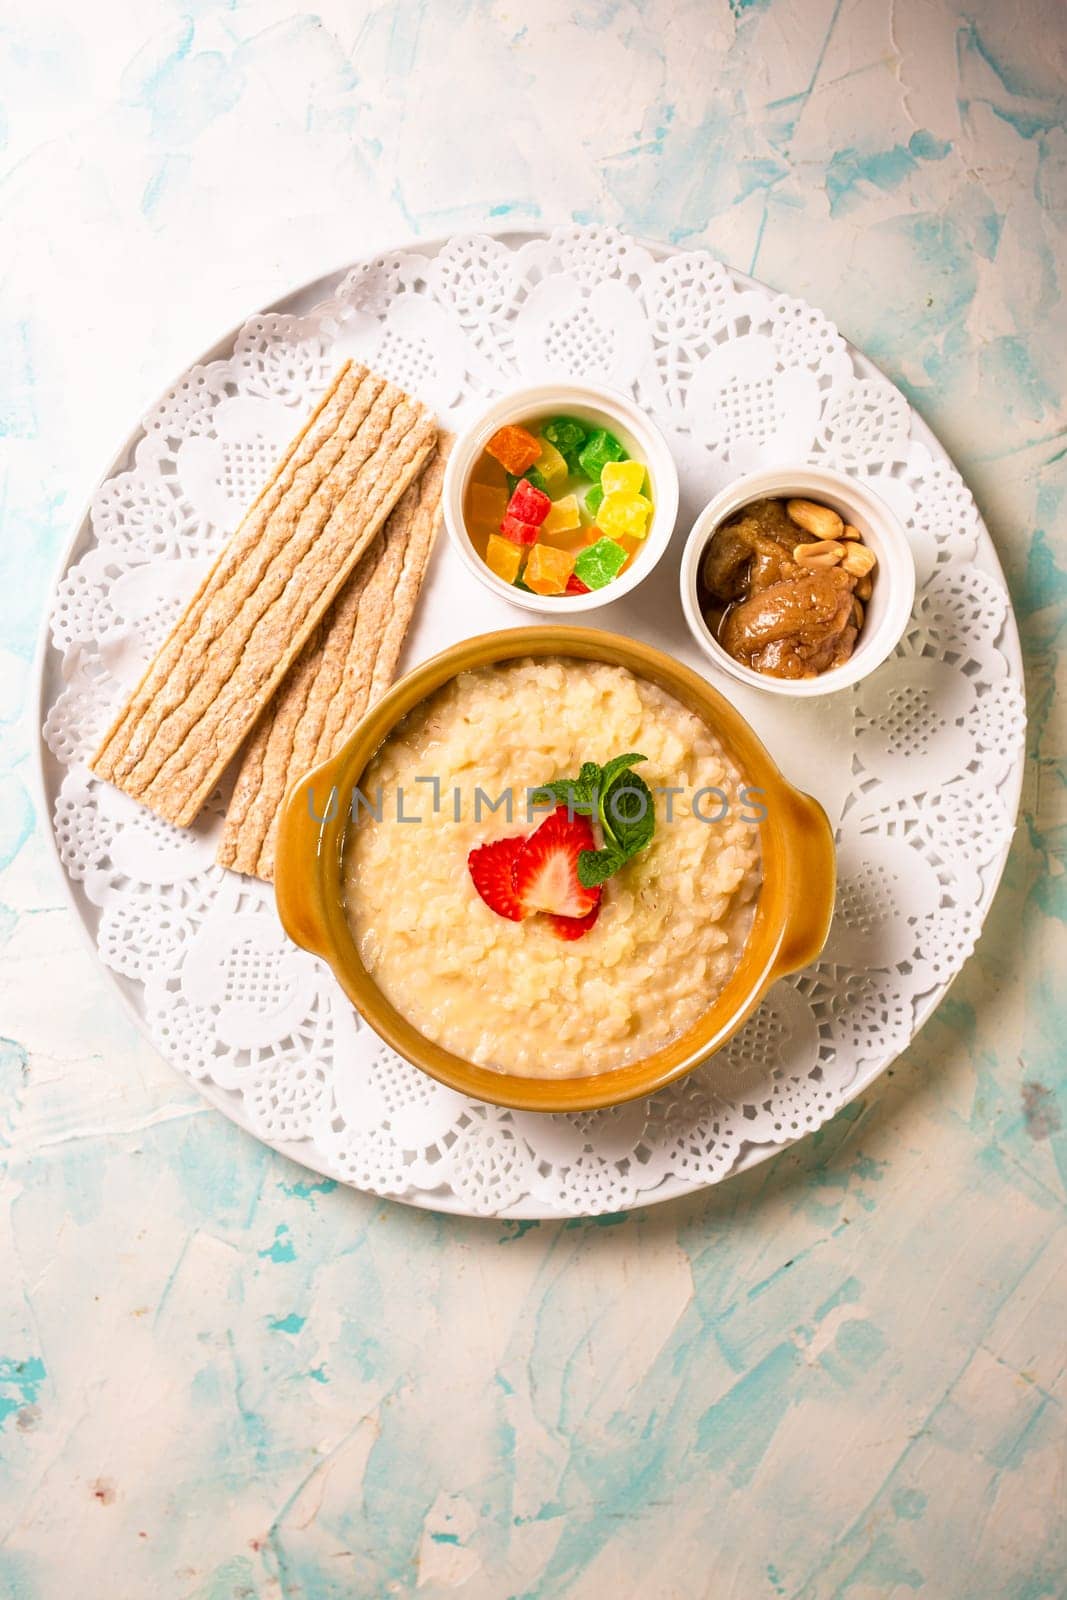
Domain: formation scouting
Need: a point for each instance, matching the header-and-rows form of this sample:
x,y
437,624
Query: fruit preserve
x,y
556,505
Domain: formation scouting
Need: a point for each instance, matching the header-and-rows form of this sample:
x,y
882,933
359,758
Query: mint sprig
x,y
580,794
622,803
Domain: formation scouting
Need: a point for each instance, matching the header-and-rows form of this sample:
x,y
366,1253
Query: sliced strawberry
x,y
546,867
492,866
574,927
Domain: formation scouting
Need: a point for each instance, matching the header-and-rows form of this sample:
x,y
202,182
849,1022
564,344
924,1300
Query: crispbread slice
x,y
273,581
346,666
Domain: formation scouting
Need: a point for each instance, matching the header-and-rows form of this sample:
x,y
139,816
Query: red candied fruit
x,y
519,532
528,503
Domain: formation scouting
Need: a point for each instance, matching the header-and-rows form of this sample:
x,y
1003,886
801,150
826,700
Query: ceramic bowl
x,y
893,591
793,908
602,408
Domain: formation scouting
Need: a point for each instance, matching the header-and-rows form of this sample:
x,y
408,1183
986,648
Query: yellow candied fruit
x,y
624,513
628,476
562,515
488,503
551,465
547,569
503,557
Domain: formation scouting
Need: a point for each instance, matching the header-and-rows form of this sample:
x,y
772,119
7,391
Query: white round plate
x,y
919,767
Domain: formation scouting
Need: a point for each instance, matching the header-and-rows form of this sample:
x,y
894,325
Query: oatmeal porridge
x,y
550,944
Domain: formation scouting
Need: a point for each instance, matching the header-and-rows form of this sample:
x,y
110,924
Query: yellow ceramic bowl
x,y
792,913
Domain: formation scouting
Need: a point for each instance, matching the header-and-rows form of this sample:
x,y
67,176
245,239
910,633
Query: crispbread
x,y
347,665
272,583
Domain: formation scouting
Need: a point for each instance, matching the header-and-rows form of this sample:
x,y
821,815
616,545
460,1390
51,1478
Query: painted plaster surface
x,y
842,1374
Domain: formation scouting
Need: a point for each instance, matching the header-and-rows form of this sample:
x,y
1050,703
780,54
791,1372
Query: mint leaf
x,y
622,803
580,794
565,792
614,769
619,764
628,813
594,866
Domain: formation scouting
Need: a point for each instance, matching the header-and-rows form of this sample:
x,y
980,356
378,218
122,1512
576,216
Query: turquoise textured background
x,y
839,1375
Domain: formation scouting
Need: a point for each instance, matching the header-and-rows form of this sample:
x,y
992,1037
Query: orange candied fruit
x,y
548,569
514,448
503,557
488,503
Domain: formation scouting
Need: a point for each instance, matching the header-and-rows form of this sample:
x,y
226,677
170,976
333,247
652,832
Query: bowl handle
x,y
310,805
811,879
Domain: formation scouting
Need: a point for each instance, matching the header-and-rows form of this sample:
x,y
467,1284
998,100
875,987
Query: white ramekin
x,y
892,595
603,408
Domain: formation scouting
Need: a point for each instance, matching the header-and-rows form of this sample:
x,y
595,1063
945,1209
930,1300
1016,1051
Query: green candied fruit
x,y
593,499
600,448
568,435
599,563
531,475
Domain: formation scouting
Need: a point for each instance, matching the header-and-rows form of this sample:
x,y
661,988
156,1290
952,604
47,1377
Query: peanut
x,y
820,521
823,553
857,613
859,561
864,588
849,532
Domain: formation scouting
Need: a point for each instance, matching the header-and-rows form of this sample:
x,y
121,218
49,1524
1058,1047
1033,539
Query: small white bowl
x,y
892,595
602,408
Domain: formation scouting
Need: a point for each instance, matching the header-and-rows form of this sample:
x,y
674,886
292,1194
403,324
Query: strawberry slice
x,y
546,867
492,866
573,927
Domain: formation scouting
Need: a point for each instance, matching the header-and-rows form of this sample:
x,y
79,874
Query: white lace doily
x,y
918,767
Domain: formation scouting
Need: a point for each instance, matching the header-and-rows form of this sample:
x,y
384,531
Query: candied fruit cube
x,y
626,514
532,475
562,515
518,531
548,569
599,563
488,503
576,586
600,448
626,475
593,499
529,503
551,467
503,557
568,435
515,448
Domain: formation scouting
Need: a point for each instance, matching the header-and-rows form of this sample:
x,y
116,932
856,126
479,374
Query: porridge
x,y
556,943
